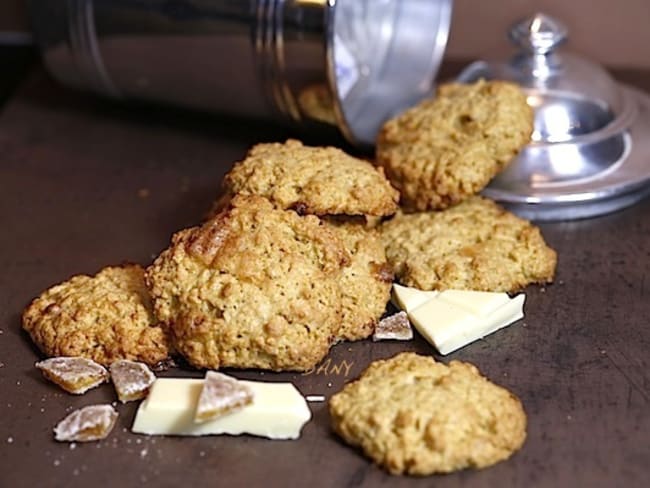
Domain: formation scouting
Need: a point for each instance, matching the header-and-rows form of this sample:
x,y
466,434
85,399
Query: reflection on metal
x,y
252,58
83,41
386,54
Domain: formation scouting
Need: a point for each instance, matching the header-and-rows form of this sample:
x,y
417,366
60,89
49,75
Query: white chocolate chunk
x,y
221,394
440,321
452,319
410,298
481,303
278,411
448,326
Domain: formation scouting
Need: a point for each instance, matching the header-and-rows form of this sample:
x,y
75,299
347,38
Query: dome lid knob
x,y
538,34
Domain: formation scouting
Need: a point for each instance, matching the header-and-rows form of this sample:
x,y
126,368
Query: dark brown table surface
x,y
84,183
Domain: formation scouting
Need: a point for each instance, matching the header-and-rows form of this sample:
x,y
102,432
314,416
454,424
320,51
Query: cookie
x,y
445,149
104,318
254,287
413,415
366,283
312,180
475,245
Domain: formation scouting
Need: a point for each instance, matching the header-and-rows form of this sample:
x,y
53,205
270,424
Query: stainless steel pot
x,y
349,63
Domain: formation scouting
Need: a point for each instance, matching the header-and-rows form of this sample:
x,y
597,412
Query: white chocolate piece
x,y
410,298
449,326
481,303
440,321
278,411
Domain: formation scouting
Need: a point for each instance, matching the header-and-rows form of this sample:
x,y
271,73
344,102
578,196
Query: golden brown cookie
x,y
475,245
413,415
449,147
104,318
254,287
366,283
312,180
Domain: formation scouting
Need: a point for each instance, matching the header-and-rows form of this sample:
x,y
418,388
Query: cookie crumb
x,y
315,398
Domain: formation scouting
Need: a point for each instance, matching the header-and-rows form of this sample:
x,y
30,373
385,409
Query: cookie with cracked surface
x,y
254,287
413,415
105,317
312,180
447,148
475,245
366,283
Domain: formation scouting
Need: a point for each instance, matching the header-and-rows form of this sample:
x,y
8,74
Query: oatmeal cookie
x,y
254,287
366,283
413,415
475,245
312,180
104,318
449,147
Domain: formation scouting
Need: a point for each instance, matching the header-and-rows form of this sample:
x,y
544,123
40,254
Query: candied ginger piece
x,y
74,374
220,395
91,423
396,326
131,379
